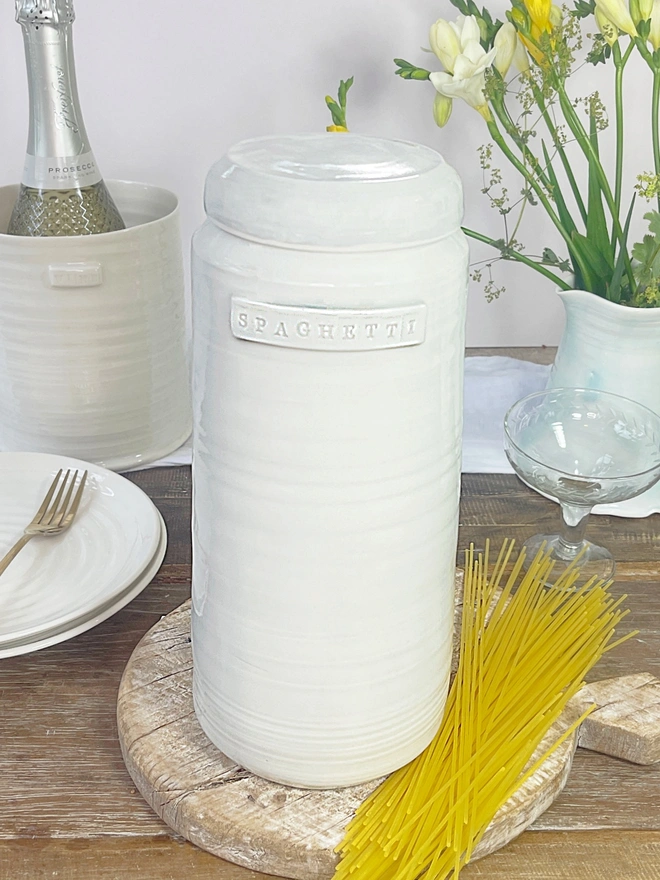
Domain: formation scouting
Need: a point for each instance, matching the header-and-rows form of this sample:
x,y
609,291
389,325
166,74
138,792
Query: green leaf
x,y
461,5
613,290
557,197
591,267
644,29
338,115
487,27
597,232
584,9
550,258
579,263
654,222
599,54
647,252
344,86
595,269
565,215
643,252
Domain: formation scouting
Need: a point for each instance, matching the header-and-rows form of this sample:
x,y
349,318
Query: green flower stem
x,y
644,52
538,95
655,124
519,258
510,128
584,141
496,134
619,63
655,102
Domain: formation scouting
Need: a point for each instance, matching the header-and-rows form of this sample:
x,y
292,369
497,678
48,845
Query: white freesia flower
x,y
617,12
442,107
521,58
445,42
645,9
470,89
449,39
505,43
459,48
607,28
654,34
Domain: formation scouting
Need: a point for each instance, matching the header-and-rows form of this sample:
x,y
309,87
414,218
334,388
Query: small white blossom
x,y
458,46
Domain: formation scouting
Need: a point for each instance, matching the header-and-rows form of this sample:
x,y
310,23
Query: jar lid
x,y
334,191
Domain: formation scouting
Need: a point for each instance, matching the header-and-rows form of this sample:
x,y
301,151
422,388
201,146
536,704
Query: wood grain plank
x,y
501,505
595,855
542,354
61,771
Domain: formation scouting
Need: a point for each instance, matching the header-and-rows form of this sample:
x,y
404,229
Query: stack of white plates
x,y
59,587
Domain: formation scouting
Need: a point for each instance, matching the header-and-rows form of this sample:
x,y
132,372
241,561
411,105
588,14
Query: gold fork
x,y
55,514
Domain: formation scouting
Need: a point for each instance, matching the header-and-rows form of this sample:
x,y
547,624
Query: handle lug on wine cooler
x,y
75,275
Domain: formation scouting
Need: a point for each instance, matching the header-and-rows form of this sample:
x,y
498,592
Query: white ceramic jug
x,y
93,336
613,348
329,297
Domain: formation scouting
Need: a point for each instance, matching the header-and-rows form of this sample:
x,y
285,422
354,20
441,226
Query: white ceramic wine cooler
x,y
93,348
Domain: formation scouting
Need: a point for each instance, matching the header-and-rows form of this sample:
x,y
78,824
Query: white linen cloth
x,y
492,385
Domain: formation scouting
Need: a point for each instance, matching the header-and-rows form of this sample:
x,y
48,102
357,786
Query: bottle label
x,y
61,172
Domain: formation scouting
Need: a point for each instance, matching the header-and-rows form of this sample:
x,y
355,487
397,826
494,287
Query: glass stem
x,y
573,526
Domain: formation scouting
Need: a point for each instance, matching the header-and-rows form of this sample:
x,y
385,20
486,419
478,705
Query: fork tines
x,y
64,506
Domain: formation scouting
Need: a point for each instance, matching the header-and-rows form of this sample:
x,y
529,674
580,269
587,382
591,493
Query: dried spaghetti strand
x,y
525,650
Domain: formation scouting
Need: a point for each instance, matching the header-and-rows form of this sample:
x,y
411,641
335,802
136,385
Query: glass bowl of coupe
x,y
581,447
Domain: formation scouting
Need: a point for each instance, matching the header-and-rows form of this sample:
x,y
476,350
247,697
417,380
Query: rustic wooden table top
x,y
69,810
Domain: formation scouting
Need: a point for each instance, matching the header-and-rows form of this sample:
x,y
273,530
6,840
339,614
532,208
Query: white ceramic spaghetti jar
x,y
329,295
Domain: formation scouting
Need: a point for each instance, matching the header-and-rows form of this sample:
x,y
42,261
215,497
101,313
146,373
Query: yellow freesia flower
x,y
539,12
543,17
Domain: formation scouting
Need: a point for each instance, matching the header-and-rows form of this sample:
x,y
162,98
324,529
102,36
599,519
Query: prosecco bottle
x,y
62,191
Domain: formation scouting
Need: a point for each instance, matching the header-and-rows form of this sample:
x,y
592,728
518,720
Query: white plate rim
x,y
71,619
98,615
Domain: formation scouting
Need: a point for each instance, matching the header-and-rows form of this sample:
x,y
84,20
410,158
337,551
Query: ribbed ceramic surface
x,y
325,503
612,348
92,336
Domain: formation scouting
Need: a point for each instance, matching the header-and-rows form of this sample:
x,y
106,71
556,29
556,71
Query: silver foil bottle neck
x,y
45,12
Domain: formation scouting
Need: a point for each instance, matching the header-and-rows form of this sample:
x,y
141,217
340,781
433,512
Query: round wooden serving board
x,y
224,809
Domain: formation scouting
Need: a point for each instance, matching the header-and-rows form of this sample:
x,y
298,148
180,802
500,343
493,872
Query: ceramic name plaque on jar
x,y
329,296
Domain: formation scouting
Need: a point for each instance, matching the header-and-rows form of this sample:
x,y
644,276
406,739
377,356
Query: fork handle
x,y
13,553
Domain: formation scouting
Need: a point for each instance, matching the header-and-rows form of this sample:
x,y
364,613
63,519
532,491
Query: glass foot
x,y
594,561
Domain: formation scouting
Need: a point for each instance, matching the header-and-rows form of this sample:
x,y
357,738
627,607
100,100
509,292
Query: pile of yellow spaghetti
x,y
524,652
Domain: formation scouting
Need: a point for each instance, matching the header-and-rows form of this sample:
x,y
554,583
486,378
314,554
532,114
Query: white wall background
x,y
168,86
